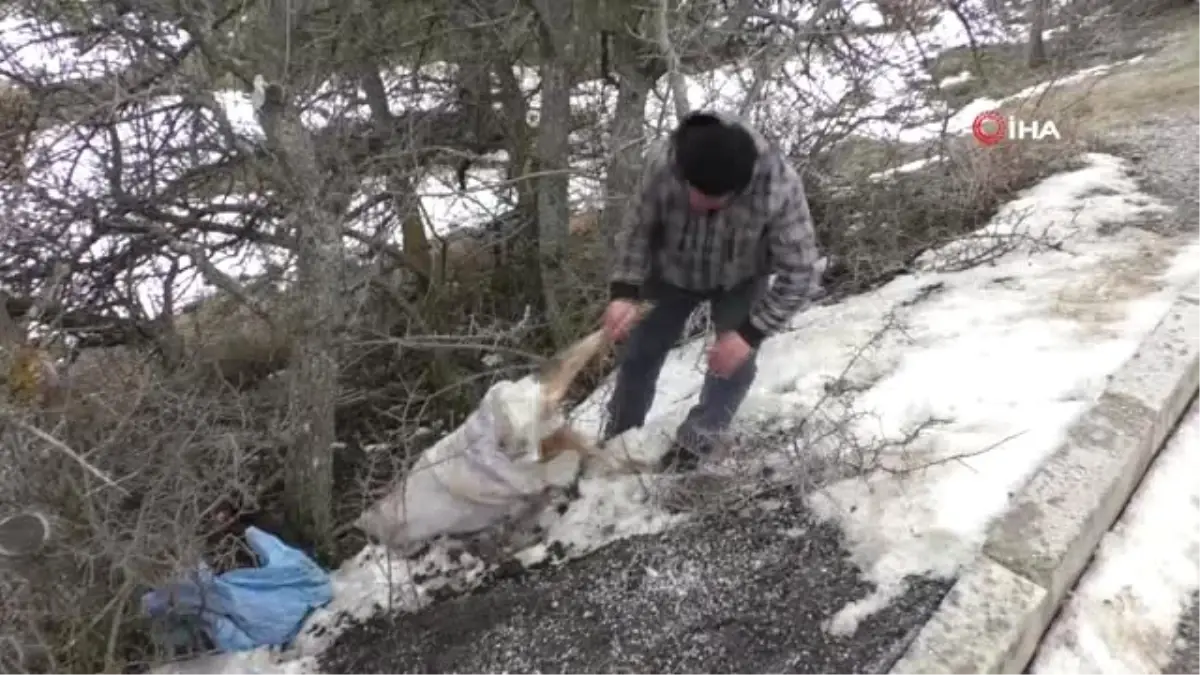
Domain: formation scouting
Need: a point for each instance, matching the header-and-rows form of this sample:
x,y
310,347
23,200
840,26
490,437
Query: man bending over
x,y
719,212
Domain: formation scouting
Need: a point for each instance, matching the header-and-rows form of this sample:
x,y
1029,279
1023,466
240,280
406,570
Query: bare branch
x,y
678,85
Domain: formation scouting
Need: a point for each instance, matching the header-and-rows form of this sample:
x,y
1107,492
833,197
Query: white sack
x,y
481,473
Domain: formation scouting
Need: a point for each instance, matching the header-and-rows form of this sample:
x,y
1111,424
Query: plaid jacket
x,y
765,230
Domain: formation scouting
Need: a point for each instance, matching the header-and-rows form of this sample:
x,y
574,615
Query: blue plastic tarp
x,y
252,607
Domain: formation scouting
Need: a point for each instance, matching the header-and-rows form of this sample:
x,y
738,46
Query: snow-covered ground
x,y
1123,614
1002,355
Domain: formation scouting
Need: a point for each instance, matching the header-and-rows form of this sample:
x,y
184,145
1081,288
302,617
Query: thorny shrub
x,y
142,478
874,228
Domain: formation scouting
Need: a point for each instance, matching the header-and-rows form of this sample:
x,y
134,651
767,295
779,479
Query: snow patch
x,y
1122,616
1004,370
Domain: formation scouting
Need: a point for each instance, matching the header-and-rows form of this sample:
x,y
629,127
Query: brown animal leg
x,y
557,374
563,439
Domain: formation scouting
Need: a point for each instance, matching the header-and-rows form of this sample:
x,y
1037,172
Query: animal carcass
x,y
512,448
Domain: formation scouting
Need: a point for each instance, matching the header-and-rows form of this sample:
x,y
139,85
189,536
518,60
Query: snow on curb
x,y
1035,553
1124,615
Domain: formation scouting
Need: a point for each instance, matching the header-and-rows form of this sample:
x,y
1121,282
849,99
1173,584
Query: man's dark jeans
x,y
646,350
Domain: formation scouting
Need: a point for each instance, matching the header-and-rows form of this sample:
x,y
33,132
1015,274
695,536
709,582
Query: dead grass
x,y
995,70
873,230
1165,83
164,460
854,154
1000,70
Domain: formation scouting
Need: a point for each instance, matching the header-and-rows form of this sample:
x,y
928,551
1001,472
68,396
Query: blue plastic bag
x,y
248,608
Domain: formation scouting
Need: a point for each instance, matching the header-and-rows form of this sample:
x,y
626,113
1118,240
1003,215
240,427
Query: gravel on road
x,y
736,591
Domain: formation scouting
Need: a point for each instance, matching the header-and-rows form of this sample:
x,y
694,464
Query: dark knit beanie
x,y
713,156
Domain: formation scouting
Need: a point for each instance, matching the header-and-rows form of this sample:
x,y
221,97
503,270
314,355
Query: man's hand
x,y
619,318
728,354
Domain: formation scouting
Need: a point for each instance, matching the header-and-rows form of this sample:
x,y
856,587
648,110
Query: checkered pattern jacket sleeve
x,y
794,254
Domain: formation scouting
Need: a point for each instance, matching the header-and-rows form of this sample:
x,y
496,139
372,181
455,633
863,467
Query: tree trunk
x,y
316,312
417,251
637,68
679,91
1035,55
553,150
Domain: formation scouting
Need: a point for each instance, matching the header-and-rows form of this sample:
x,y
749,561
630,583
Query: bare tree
x,y
556,31
638,65
679,90
317,312
1035,54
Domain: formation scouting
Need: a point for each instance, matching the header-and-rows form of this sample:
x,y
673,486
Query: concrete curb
x,y
993,618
